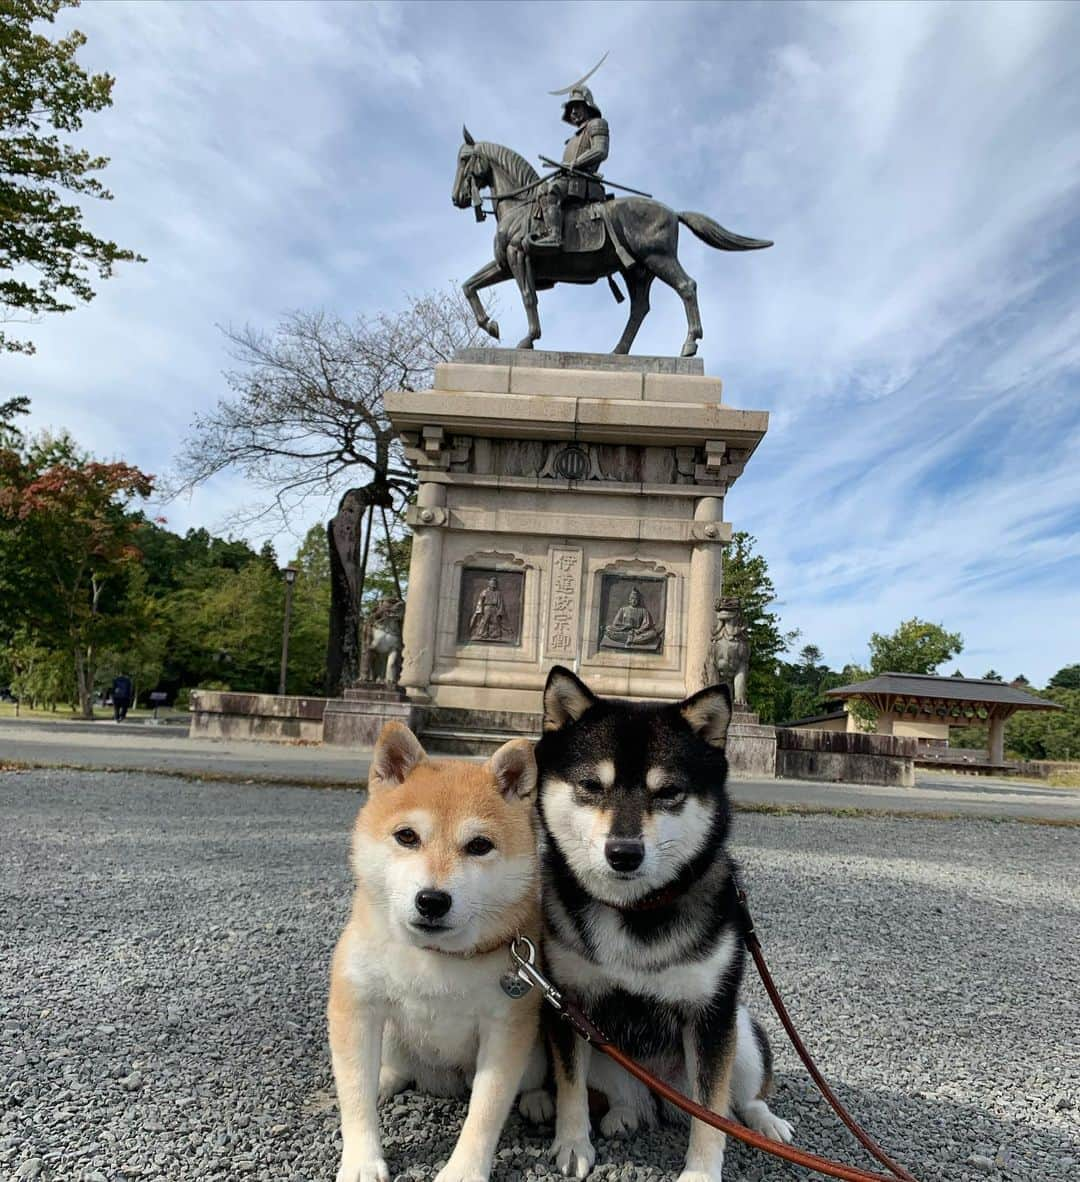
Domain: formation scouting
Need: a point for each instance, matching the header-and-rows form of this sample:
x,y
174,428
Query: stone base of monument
x,y
751,748
569,511
356,719
457,731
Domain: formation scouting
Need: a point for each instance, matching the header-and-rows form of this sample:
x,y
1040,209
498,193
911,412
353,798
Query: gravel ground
x,y
165,948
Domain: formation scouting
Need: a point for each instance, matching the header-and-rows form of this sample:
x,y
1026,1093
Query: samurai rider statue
x,y
585,151
633,236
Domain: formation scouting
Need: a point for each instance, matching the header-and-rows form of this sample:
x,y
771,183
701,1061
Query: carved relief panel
x,y
490,606
633,611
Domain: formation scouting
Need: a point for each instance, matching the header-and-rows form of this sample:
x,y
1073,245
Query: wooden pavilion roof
x,y
888,690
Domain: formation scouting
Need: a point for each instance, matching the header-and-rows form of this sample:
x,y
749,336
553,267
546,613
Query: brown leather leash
x,y
583,1025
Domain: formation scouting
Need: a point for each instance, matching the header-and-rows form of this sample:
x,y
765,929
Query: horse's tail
x,y
715,234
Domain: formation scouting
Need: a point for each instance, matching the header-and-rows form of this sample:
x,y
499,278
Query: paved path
x,y
166,944
142,747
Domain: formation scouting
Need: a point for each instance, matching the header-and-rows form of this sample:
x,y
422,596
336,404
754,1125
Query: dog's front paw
x,y
462,1171
536,1106
760,1116
619,1121
777,1128
697,1176
372,1169
573,1158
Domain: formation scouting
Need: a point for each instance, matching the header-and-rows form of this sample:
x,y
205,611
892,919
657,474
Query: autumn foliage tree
x,y
67,529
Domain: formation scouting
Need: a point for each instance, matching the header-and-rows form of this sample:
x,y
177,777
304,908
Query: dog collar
x,y
484,951
662,897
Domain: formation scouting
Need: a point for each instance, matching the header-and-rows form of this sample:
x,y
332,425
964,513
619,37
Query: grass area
x,y
1066,778
66,714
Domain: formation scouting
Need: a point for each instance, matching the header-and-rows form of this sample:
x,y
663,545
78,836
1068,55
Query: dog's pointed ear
x,y
397,752
709,712
514,769
566,698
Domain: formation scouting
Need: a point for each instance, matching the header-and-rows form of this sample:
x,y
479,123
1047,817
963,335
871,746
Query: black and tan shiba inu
x,y
641,917
445,858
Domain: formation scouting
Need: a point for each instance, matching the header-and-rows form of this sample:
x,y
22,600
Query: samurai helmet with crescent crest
x,y
580,94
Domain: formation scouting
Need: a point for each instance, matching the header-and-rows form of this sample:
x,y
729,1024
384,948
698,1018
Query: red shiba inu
x,y
445,858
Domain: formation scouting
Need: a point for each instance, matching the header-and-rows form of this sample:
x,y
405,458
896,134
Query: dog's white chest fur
x,y
435,1003
646,972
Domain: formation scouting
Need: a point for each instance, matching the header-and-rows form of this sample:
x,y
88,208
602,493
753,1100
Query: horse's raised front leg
x,y
522,269
487,276
668,268
638,282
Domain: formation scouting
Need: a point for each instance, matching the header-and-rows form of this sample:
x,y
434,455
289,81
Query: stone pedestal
x,y
356,719
751,747
570,511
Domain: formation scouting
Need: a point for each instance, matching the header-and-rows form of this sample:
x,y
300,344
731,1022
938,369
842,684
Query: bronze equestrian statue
x,y
565,228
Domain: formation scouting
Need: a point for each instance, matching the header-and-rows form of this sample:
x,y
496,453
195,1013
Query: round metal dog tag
x,y
513,986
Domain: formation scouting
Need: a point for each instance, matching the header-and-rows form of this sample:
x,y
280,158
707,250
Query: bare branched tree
x,y
305,418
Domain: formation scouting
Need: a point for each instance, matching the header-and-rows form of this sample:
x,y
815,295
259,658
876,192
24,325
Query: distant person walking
x,y
122,696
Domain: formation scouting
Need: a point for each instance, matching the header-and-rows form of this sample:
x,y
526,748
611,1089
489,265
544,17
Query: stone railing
x,y
219,714
845,757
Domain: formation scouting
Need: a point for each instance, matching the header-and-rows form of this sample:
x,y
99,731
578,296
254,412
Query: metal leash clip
x,y
518,981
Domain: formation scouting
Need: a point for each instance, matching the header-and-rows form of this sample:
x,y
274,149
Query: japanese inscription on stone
x,y
563,603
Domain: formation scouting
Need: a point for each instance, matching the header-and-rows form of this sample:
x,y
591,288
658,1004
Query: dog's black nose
x,y
433,904
624,853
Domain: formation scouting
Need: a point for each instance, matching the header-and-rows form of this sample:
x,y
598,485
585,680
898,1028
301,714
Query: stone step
x,y
450,741
374,693
503,722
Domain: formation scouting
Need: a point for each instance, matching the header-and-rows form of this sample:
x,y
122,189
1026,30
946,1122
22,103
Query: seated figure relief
x,y
632,626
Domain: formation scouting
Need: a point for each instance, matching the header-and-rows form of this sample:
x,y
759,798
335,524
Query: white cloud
x,y
914,330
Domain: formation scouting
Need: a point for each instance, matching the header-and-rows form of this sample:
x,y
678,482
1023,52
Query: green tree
x,y
1067,677
1039,734
142,655
992,675
746,577
46,252
40,676
311,615
238,624
11,438
388,569
804,683
915,647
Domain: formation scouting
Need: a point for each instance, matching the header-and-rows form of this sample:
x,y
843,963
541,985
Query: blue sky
x,y
915,332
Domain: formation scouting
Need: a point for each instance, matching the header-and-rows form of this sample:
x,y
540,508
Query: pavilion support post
x,y
885,723
995,746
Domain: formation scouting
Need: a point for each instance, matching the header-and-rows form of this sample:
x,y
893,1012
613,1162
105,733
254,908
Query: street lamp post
x,y
290,578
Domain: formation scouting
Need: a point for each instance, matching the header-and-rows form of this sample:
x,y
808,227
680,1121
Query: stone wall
x,y
850,758
219,714
751,748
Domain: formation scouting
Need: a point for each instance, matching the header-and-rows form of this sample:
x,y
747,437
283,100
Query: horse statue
x,y
382,645
636,237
